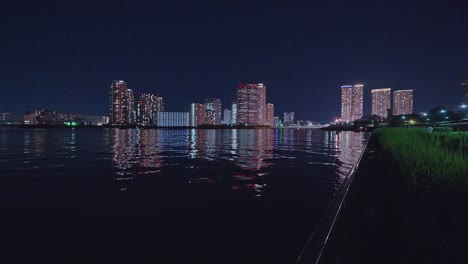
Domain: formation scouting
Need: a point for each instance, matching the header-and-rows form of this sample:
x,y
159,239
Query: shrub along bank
x,y
429,160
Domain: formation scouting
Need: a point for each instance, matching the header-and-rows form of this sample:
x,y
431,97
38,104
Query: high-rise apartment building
x,y
381,101
234,113
346,95
351,102
251,104
403,102
197,114
148,107
465,90
122,104
145,115
277,121
158,103
227,117
210,117
270,115
131,107
213,111
288,118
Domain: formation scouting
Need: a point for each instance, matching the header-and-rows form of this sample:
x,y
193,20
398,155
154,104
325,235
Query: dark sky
x,y
63,56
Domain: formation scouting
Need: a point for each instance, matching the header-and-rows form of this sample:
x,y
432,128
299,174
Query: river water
x,y
167,195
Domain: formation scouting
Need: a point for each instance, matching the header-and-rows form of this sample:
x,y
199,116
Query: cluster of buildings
x,y
11,119
208,113
123,110
53,118
352,102
249,109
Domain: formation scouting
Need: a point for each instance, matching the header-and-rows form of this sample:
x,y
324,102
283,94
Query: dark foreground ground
x,y
385,220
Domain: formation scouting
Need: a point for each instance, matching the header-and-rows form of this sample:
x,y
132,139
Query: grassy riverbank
x,y
407,202
428,159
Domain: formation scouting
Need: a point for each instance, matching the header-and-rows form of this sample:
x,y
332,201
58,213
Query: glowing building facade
x,y
173,119
403,102
381,101
288,118
234,113
197,114
227,117
148,107
277,121
270,115
213,111
131,107
122,104
351,102
251,104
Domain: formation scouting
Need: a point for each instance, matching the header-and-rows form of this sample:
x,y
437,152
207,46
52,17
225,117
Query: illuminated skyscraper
x,y
251,104
277,121
351,102
197,114
346,91
158,104
288,118
465,90
145,115
234,112
403,102
148,107
270,115
210,117
381,101
227,117
213,111
131,107
122,104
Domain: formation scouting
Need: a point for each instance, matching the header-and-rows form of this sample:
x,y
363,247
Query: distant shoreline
x,y
158,127
137,127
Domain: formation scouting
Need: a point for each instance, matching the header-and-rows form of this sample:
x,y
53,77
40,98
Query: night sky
x,y
63,56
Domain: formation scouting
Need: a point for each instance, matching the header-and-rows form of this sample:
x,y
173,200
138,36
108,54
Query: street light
x,y
443,111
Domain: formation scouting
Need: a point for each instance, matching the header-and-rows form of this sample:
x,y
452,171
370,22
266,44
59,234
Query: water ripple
x,y
255,161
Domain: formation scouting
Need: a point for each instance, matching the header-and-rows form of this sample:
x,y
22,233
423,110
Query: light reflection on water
x,y
193,188
249,152
242,159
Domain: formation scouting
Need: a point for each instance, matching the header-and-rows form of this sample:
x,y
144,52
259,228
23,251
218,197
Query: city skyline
x,y
131,109
59,55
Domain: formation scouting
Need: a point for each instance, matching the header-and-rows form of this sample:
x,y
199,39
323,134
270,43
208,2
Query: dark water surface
x,y
167,195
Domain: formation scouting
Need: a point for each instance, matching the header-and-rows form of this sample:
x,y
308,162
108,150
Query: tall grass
x,y
429,159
